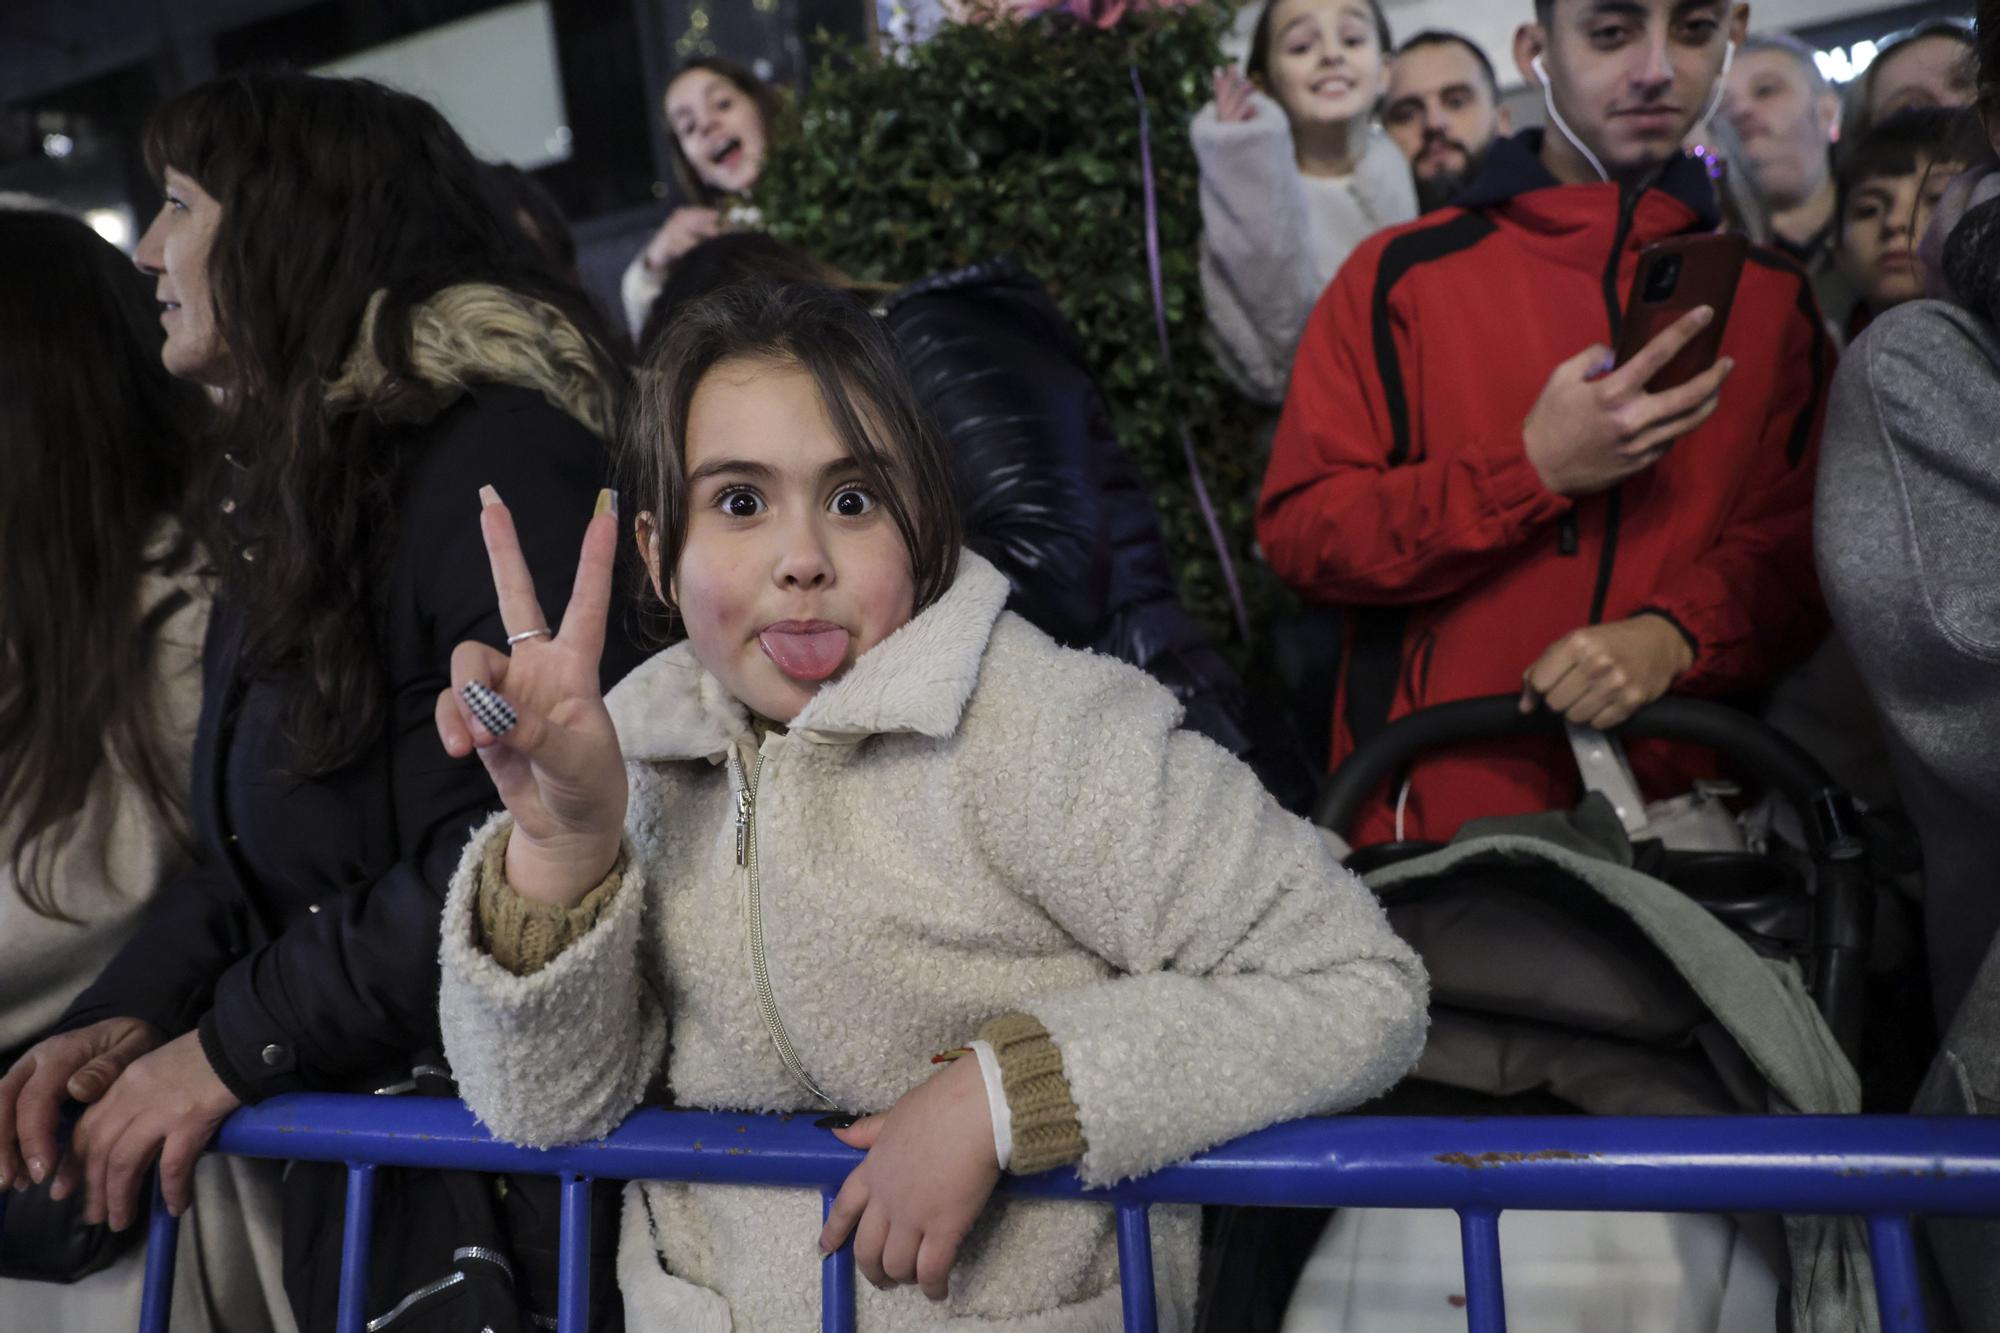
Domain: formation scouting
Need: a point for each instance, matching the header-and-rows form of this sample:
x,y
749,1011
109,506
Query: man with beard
x,y
1443,110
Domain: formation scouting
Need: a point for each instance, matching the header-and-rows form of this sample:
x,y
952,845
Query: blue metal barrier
x,y
1882,1168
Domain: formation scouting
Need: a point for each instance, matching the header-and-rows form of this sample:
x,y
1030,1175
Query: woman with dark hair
x,y
385,344
102,606
720,116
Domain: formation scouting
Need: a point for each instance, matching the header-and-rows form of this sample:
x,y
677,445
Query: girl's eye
x,y
177,205
740,502
853,503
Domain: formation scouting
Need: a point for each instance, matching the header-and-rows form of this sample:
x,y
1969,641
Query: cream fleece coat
x,y
973,821
1272,239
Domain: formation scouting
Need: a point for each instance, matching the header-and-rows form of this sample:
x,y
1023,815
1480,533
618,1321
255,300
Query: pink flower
x,y
1100,13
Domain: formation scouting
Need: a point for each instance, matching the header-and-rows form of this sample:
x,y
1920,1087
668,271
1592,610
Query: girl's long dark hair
x,y
96,448
331,191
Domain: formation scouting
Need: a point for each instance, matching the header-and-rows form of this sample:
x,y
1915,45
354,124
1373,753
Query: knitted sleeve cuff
x,y
1047,1131
524,936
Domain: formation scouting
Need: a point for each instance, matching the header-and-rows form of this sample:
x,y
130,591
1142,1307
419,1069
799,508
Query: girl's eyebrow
x,y
743,467
737,467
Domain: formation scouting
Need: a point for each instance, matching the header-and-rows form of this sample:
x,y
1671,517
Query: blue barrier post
x,y
1898,1293
573,1256
1135,1268
163,1239
836,1277
1479,1251
354,1247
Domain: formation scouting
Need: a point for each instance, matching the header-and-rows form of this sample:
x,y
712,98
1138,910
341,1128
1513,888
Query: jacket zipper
x,y
746,856
1614,499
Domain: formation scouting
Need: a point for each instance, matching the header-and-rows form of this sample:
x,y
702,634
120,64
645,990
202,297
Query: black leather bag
x,y
47,1240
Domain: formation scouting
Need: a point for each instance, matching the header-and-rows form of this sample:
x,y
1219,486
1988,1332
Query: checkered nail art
x,y
493,712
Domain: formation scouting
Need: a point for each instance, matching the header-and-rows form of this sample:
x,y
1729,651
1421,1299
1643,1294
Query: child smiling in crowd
x,y
1294,175
860,817
720,117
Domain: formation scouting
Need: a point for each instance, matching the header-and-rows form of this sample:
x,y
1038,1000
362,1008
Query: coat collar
x,y
1514,174
917,681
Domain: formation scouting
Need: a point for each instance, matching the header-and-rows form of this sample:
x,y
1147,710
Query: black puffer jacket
x,y
1051,498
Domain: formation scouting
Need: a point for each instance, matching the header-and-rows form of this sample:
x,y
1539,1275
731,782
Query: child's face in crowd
x,y
718,128
1931,71
1784,127
1885,219
1325,60
174,251
792,568
1633,78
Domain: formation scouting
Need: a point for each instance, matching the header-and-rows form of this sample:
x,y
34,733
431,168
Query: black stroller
x,y
1815,909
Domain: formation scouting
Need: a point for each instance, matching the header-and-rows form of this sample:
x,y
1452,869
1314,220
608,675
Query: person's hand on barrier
x,y
1232,96
1593,427
165,1105
1600,676
929,1171
80,1065
684,229
536,716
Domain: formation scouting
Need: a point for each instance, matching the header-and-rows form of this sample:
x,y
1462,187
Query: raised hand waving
x,y
535,714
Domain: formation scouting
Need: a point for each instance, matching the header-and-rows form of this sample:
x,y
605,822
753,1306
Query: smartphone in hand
x,y
1676,276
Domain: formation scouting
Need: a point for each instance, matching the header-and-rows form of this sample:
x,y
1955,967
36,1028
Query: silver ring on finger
x,y
543,633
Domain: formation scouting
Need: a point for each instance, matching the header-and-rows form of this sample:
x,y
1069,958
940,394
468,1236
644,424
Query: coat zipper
x,y
1614,499
746,856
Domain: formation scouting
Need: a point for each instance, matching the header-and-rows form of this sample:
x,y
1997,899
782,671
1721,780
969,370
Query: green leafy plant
x,y
1023,139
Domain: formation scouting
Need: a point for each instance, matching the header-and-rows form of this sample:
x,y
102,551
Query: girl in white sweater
x,y
1294,175
863,816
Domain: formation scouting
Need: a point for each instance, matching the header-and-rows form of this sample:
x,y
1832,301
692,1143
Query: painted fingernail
x,y
835,1122
36,1169
488,496
59,1191
607,503
494,713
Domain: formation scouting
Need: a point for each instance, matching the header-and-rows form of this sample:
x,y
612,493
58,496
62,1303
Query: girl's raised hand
x,y
1232,97
536,717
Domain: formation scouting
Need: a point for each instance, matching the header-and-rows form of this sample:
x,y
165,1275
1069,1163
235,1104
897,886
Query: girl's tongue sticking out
x,y
806,650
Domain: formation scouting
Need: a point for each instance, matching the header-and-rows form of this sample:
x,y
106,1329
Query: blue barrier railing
x,y
1882,1168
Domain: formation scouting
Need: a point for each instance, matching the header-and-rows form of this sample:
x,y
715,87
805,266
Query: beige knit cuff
x,y
1047,1132
522,935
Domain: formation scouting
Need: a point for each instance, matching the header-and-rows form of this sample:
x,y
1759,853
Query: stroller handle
x,y
1843,901
1771,758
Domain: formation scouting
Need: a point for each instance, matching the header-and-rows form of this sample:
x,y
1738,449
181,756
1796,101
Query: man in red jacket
x,y
1501,511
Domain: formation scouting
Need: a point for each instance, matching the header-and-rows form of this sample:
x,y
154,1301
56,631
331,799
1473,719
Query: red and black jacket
x,y
1399,486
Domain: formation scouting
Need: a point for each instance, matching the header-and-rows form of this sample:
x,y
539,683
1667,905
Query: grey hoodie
x,y
1907,531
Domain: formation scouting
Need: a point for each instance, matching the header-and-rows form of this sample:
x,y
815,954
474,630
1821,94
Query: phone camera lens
x,y
1664,278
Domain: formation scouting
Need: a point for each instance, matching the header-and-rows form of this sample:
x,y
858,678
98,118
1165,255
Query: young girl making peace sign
x,y
861,816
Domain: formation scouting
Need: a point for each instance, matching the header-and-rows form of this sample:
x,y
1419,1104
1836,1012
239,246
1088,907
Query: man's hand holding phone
x,y
1591,430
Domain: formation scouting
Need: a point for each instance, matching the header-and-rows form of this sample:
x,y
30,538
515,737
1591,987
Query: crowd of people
x,y
774,694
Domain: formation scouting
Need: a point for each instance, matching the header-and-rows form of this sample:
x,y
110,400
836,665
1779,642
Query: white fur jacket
x,y
973,822
1272,239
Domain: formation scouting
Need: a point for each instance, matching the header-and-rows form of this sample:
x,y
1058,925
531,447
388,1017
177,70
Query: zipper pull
x,y
743,825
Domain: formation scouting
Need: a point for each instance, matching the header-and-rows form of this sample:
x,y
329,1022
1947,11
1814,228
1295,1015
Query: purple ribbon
x,y
1207,505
